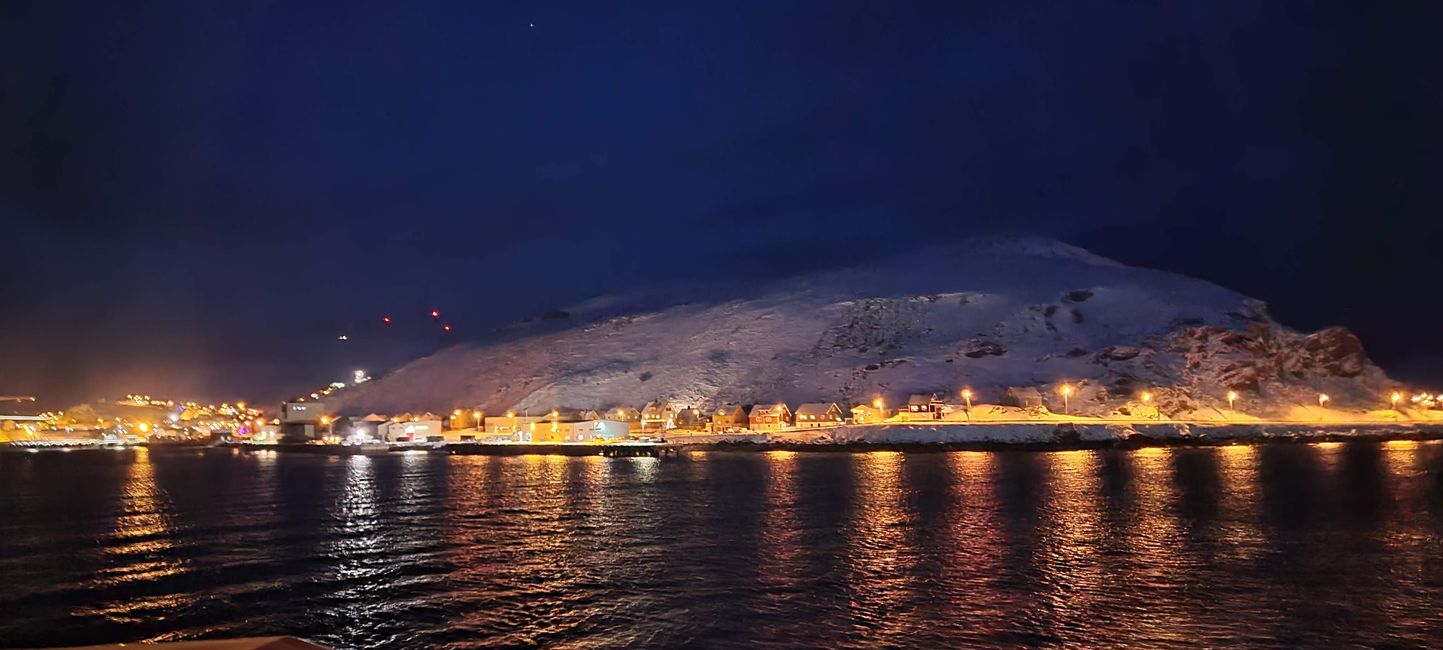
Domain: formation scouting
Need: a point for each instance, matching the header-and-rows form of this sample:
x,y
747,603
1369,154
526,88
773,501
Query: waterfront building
x,y
658,416
730,418
417,431
593,431
926,406
691,419
867,413
627,414
773,417
818,414
512,424
302,420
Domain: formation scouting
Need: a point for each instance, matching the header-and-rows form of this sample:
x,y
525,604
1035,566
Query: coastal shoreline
x,y
912,438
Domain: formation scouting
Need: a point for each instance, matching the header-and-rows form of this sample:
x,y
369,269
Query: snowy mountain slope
x,y
988,313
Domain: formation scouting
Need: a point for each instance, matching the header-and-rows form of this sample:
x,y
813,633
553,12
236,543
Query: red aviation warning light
x,y
435,313
446,327
386,320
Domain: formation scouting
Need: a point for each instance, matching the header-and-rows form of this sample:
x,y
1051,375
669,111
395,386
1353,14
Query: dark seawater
x,y
1270,545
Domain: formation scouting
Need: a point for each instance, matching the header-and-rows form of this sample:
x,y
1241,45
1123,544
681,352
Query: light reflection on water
x,y
1279,545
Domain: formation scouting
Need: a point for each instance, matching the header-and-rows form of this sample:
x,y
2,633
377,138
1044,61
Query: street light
x,y
967,395
1146,397
1232,397
326,420
1323,398
1066,391
476,418
1394,399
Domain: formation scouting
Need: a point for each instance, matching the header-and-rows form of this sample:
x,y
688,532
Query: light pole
x,y
1066,391
1394,399
1232,398
967,397
476,419
881,407
1323,399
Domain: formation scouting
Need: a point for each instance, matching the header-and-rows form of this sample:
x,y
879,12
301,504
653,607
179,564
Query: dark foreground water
x,y
1286,545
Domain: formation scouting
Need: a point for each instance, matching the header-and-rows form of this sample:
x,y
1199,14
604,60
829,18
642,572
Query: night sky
x,y
197,197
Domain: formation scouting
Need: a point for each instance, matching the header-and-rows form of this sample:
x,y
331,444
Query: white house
x,y
593,431
416,431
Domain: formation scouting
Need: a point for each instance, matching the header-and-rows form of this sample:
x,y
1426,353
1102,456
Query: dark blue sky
x,y
201,195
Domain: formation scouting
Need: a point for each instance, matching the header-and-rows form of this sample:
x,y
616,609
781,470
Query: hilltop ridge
x,y
987,313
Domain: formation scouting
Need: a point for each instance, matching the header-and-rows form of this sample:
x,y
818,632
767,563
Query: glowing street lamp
x,y
1066,391
330,424
1146,397
476,418
1323,399
1232,398
967,395
1394,399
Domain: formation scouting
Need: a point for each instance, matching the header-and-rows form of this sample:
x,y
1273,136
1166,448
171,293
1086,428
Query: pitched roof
x,y
922,398
816,408
769,409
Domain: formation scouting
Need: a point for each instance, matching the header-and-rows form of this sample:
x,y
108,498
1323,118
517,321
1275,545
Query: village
x,y
660,421
311,421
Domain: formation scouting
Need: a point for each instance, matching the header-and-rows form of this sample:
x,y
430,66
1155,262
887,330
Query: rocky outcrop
x,y
1335,351
1246,358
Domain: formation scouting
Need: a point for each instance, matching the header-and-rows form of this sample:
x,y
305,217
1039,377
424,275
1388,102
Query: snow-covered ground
x,y
1063,434
987,314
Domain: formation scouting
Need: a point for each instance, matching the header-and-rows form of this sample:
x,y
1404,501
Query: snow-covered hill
x,y
987,314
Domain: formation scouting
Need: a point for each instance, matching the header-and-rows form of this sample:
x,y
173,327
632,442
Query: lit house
x,y
729,418
691,419
924,407
511,423
773,417
369,426
413,431
302,420
627,414
591,431
818,414
657,416
866,413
